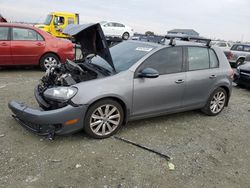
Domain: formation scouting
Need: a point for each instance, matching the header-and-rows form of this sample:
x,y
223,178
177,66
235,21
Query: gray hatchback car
x,y
132,80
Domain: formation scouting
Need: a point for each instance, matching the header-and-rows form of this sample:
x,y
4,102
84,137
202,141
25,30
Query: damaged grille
x,y
39,129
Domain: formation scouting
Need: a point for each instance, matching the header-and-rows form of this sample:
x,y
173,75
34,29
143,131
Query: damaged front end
x,y
57,113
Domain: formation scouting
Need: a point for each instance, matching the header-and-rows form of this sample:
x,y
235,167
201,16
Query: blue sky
x,y
224,19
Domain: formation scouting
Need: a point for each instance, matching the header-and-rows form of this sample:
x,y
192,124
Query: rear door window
x,y
247,48
198,58
165,61
237,47
4,33
25,34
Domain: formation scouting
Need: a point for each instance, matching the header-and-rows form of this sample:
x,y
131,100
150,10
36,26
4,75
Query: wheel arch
x,y
126,110
241,57
54,53
227,91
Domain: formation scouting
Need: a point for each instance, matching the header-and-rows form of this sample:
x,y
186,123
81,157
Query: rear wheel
x,y
48,60
103,119
125,36
216,102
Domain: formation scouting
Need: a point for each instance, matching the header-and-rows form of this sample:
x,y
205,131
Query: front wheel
x,y
216,102
103,119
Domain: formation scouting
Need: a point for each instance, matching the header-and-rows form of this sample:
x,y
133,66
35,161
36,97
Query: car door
x,y
200,77
119,29
164,93
5,53
108,29
27,46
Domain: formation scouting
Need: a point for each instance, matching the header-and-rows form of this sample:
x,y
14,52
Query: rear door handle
x,y
4,44
212,76
179,81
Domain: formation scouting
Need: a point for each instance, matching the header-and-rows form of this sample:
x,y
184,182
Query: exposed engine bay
x,y
66,75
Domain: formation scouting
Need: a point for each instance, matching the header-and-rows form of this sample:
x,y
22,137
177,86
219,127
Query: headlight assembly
x,y
61,94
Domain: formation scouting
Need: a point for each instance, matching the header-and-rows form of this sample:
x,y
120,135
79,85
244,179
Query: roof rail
x,y
187,38
149,38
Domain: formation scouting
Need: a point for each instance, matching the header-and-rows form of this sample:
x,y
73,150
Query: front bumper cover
x,y
51,121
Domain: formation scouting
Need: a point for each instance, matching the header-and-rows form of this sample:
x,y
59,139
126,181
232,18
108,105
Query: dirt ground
x,y
206,151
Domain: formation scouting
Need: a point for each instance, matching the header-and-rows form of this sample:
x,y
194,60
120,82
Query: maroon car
x,y
26,45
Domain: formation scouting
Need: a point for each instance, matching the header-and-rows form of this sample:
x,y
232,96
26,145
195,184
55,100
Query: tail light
x,y
229,55
231,74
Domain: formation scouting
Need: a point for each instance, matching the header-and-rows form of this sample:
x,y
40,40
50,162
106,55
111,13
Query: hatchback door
x,y
5,53
201,75
158,95
27,46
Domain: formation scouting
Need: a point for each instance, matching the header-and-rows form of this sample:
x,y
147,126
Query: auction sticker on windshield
x,y
143,49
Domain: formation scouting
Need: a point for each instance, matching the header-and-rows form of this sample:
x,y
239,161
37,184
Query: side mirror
x,y
148,73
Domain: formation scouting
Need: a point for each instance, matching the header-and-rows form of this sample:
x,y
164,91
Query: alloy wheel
x,y
105,119
50,61
218,102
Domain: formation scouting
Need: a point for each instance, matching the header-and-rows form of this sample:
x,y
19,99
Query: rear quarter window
x,y
214,62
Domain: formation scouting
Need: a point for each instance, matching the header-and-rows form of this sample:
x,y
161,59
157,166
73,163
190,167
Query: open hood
x,y
91,39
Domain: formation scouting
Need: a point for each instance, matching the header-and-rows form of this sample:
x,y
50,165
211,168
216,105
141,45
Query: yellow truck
x,y
55,23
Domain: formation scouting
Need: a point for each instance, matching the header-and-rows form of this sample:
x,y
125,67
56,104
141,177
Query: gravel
x,y
205,151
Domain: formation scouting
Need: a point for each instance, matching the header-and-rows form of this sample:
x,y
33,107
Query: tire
x,y
125,36
239,62
48,60
97,124
216,102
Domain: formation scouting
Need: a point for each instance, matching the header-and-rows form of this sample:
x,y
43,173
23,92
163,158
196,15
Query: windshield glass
x,y
47,20
124,55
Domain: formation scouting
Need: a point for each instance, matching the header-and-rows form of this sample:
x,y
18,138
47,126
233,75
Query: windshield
x,y
124,55
47,20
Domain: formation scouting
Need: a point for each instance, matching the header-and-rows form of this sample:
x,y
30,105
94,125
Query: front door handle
x,y
212,76
179,81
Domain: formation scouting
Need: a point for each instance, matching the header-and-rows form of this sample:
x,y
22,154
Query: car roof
x,y
166,43
16,25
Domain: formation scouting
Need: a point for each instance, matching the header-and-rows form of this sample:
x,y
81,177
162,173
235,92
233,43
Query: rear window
x,y
4,31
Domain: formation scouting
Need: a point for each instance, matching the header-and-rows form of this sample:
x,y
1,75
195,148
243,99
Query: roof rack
x,y
186,38
150,38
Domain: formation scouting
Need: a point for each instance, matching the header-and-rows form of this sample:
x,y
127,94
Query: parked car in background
x,y
2,19
132,80
27,45
222,45
114,29
236,55
242,75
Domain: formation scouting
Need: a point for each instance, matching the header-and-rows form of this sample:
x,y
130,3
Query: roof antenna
x,y
172,42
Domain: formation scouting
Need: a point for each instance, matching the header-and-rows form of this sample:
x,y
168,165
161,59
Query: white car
x,y
114,29
223,45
